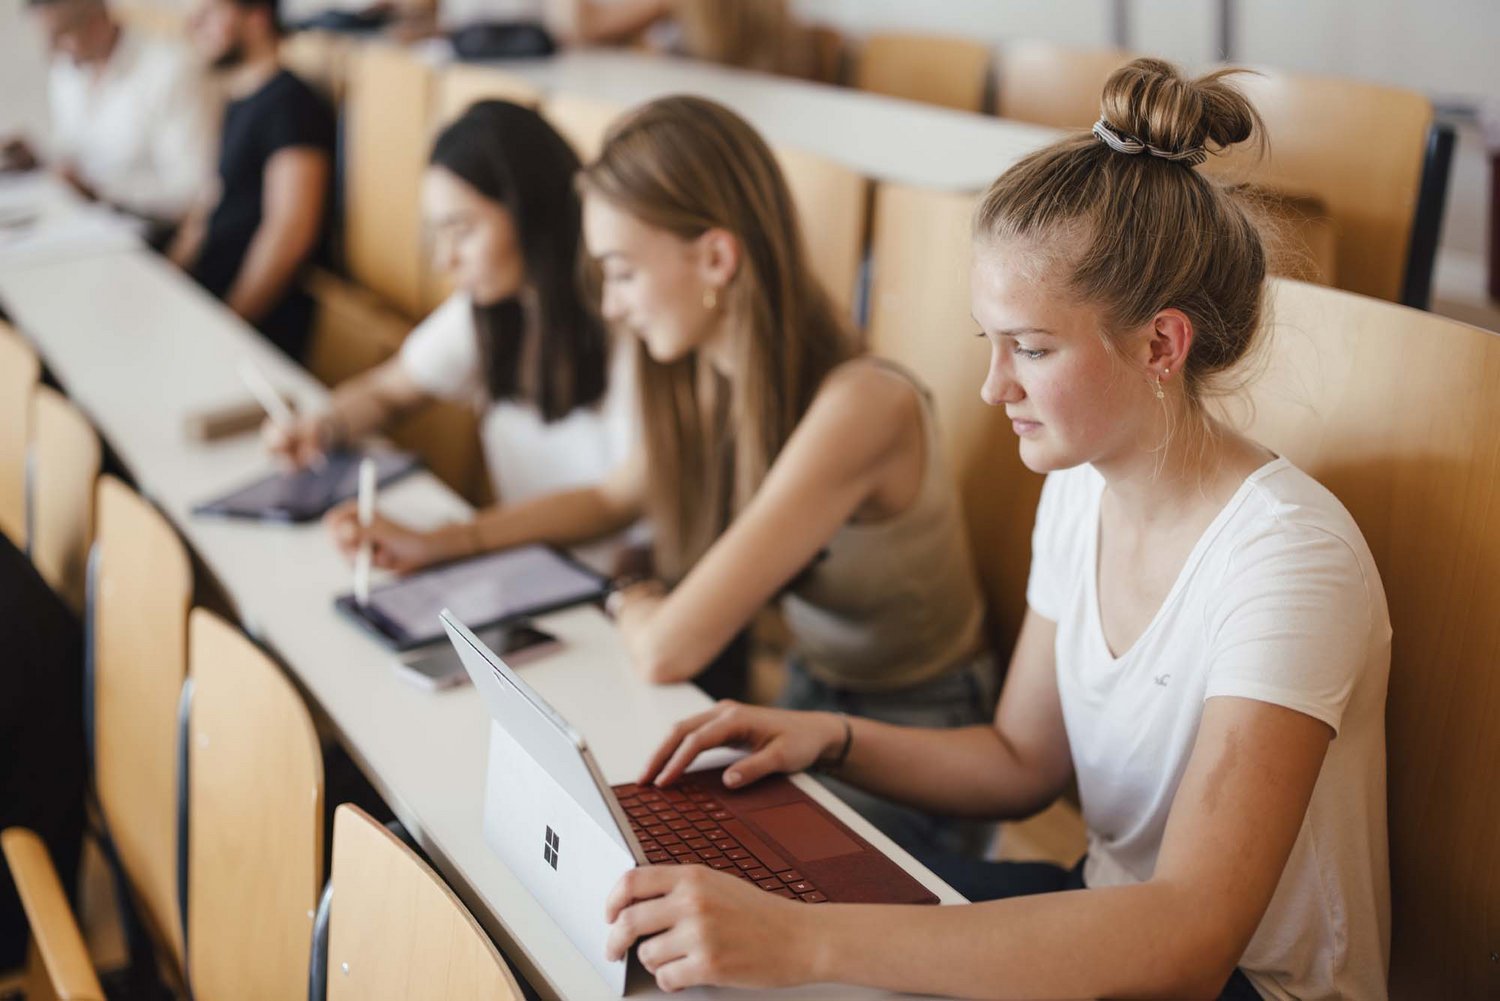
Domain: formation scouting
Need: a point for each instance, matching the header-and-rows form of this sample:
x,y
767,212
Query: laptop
x,y
569,836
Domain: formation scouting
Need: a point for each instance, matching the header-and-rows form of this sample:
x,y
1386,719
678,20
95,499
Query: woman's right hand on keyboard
x,y
780,740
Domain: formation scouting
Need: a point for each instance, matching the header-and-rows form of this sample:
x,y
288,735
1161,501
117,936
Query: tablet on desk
x,y
307,493
487,590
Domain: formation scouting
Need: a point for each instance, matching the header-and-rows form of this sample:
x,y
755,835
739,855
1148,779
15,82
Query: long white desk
x,y
138,347
884,138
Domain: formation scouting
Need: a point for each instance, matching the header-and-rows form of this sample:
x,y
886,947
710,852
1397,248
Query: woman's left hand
x,y
698,926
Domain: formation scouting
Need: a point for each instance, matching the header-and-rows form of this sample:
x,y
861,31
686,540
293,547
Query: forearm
x,y
188,242
965,771
561,519
367,403
271,264
1147,940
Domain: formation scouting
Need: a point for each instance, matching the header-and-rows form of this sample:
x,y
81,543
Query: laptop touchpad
x,y
803,831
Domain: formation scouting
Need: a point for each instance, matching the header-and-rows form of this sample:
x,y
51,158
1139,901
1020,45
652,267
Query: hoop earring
x,y
710,297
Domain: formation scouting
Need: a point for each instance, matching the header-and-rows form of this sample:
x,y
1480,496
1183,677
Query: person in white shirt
x,y
1206,647
515,339
133,123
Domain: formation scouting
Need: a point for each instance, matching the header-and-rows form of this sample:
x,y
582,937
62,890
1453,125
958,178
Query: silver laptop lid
x,y
540,731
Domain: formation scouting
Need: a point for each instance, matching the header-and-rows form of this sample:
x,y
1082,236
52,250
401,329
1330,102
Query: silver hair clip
x,y
1122,143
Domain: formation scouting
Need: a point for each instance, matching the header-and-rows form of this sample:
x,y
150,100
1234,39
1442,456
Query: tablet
x,y
486,590
308,494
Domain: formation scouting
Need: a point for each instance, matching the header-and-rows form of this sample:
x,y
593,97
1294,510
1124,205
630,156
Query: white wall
x,y
23,92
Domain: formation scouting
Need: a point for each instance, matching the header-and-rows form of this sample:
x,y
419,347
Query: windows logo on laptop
x,y
551,847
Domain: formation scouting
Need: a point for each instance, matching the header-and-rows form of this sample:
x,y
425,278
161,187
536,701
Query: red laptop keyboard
x,y
687,825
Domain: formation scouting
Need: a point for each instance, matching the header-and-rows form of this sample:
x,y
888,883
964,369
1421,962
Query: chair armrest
x,y
54,932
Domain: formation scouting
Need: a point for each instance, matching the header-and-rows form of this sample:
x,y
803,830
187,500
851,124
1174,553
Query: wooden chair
x,y
1320,146
321,59
64,463
919,316
832,205
20,371
140,587
952,72
462,84
255,820
827,61
58,966
387,117
582,121
1396,412
355,332
396,931
1056,85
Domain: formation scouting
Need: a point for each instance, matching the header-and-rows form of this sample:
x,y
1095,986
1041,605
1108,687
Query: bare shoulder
x,y
863,390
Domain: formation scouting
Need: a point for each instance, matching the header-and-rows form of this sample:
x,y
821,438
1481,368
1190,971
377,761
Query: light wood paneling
x,y
255,807
832,206
142,592
65,460
950,72
396,932
19,372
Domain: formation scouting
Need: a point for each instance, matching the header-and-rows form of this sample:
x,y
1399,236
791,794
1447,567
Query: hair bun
x,y
1150,100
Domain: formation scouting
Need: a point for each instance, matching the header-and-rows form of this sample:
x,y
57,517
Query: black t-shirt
x,y
284,113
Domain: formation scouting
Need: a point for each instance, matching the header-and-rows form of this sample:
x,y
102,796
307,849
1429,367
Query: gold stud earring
x,y
710,297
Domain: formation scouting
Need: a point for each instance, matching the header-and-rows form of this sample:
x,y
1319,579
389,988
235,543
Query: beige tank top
x,y
893,603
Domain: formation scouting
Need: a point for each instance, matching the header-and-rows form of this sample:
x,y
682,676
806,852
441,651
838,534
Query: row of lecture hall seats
x,y
1419,477
203,752
1393,409
1331,221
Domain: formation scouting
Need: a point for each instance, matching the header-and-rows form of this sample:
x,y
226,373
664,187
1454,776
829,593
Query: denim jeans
x,y
981,880
964,696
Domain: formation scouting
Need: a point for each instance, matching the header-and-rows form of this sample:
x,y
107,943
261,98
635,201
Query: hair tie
x,y
1129,145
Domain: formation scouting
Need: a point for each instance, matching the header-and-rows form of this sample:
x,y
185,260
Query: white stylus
x,y
366,517
271,402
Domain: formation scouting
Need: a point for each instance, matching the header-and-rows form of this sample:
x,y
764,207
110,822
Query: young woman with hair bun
x,y
1205,649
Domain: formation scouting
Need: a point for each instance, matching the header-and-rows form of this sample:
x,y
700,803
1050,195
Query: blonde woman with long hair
x,y
776,463
1205,650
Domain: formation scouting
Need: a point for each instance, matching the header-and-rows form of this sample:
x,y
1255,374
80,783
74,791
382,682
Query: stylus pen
x,y
271,402
366,516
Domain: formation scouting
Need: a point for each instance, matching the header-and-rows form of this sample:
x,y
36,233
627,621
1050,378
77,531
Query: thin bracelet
x,y
838,760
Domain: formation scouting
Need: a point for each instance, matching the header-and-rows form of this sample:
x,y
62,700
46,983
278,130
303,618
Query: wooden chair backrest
x,y
582,121
387,118
20,370
396,931
255,820
354,332
321,59
1357,147
461,85
920,317
1396,412
832,207
1056,85
65,462
58,966
951,72
141,592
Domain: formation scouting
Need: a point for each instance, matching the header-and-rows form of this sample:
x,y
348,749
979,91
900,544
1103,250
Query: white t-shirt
x,y
141,130
1279,601
526,456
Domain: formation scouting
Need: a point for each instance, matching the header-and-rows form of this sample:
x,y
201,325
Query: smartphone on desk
x,y
436,667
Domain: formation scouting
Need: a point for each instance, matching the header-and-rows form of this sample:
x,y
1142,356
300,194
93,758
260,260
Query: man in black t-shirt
x,y
252,245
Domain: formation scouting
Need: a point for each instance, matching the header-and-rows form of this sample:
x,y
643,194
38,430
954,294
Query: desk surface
x,y
884,138
138,347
